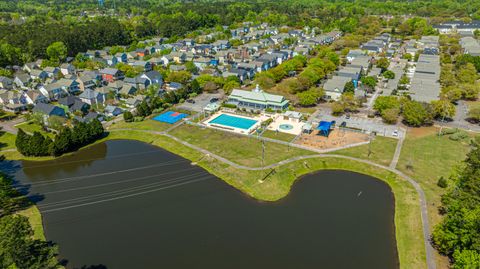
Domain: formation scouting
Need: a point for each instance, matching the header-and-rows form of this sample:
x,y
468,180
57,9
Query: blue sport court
x,y
170,117
232,121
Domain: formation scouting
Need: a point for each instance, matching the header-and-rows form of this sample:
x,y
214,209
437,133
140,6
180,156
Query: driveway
x,y
9,126
200,101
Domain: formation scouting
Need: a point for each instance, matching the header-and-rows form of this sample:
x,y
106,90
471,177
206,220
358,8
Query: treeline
x,y
18,248
458,235
68,140
414,113
135,20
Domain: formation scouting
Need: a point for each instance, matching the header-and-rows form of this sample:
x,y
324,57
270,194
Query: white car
x,y
395,133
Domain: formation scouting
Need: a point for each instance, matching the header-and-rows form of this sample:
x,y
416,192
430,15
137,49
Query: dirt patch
x,y
337,138
422,131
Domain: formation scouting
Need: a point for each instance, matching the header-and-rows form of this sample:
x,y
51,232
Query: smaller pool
x,y
285,126
232,121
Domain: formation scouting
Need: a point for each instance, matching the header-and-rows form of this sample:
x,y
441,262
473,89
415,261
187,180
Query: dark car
x,y
343,124
213,100
191,101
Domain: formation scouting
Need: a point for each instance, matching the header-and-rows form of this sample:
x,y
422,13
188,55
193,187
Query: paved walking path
x,y
398,150
430,257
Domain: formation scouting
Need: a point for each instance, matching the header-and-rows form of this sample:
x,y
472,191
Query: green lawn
x,y
238,148
278,135
7,140
147,124
382,150
31,127
35,219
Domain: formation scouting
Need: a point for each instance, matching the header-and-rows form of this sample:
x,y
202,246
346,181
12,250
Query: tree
x,y
388,74
467,74
474,114
349,87
390,115
57,51
386,102
416,113
443,109
310,97
19,250
383,63
370,82
180,77
337,108
458,235
191,67
127,116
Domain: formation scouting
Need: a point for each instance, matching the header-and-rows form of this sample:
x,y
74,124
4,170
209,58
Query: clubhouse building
x,y
257,100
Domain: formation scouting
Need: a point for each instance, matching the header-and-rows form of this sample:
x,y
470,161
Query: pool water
x,y
232,121
285,126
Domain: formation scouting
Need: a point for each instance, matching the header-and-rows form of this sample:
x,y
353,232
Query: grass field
x,y
31,127
7,140
382,150
147,124
240,149
35,219
278,135
426,157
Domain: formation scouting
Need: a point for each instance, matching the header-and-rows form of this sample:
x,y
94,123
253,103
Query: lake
x,y
127,204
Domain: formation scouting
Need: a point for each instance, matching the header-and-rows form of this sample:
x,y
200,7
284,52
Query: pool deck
x,y
279,120
258,118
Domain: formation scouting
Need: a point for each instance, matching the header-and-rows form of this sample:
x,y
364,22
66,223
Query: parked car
x,y
214,100
191,101
343,124
347,116
395,133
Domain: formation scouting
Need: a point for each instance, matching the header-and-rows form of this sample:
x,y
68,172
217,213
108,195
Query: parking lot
x,y
200,101
366,125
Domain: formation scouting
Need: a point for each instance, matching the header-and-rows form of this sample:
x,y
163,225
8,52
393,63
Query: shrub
x,y
449,131
138,119
229,105
442,182
458,136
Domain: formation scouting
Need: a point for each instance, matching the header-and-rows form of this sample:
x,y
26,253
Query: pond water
x,y
126,204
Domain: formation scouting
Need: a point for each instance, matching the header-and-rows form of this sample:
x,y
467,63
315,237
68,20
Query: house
x,y
67,101
111,74
132,102
146,66
49,110
334,87
38,74
29,67
34,97
153,77
79,106
6,83
257,100
72,86
111,60
67,69
13,101
88,79
112,111
127,89
121,57
22,80
176,68
241,74
52,71
91,97
173,86
89,117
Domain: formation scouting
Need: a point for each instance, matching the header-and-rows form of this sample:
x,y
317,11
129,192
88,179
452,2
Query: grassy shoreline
x,y
408,230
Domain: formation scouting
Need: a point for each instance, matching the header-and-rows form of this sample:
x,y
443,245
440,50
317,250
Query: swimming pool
x,y
232,121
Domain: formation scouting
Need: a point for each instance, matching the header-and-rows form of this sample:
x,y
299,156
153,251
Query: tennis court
x,y
170,117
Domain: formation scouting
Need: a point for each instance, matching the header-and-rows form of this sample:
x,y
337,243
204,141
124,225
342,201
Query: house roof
x,y
109,71
258,96
45,108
